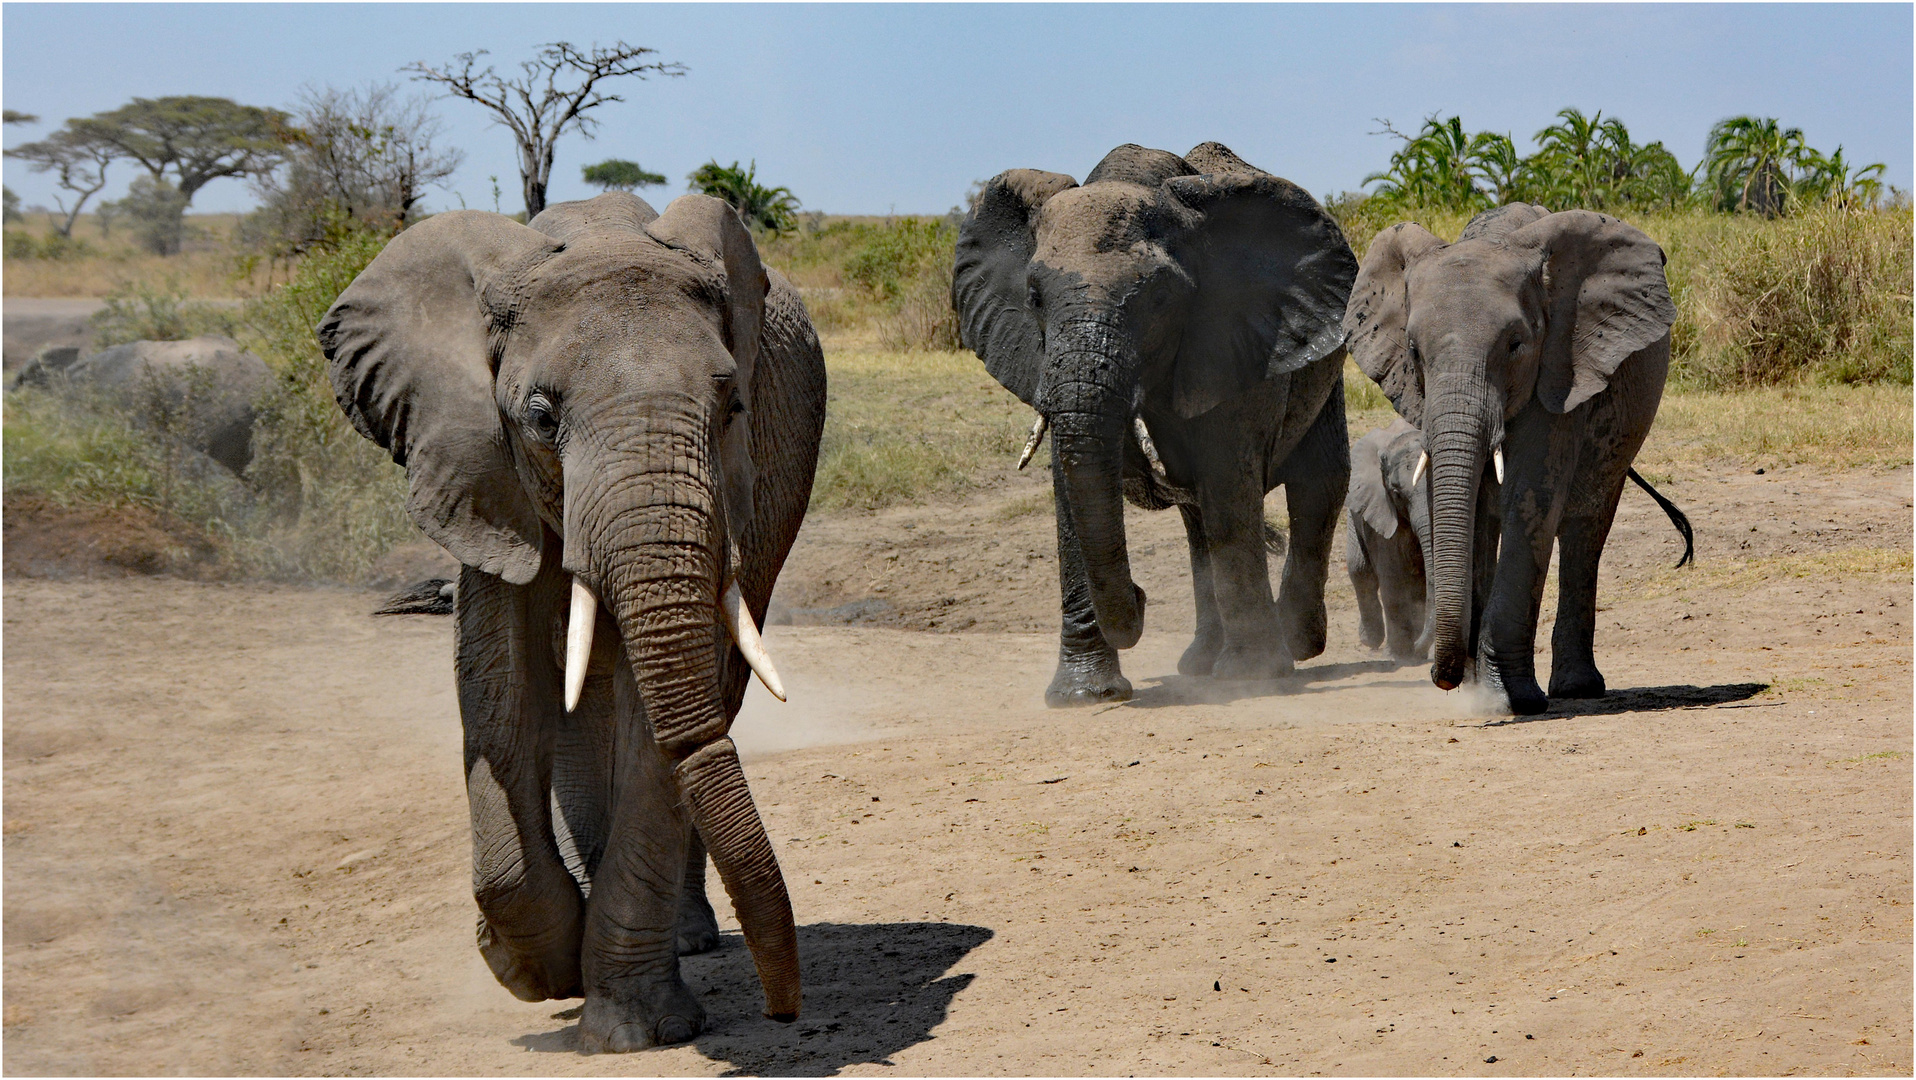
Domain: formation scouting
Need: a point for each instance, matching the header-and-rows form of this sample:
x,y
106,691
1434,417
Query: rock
x,y
204,388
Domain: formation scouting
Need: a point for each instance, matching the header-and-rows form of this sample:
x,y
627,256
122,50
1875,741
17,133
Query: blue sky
x,y
875,108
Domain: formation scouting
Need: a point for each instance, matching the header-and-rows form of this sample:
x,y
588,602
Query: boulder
x,y
204,389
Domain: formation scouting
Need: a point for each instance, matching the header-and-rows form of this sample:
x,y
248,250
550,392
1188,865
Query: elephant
x,y
1531,353
208,385
1389,538
1175,323
1386,542
610,417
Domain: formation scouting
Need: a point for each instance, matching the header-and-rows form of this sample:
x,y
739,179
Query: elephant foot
x,y
619,1022
1305,631
531,976
1089,679
1576,681
1369,636
1511,688
697,928
1244,663
1202,654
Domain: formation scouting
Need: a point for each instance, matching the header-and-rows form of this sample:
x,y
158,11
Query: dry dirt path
x,y
235,841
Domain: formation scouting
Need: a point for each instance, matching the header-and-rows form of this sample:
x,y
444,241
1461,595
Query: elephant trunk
x,y
1090,413
658,555
1458,427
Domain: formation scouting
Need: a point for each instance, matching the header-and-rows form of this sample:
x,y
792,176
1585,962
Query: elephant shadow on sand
x,y
871,990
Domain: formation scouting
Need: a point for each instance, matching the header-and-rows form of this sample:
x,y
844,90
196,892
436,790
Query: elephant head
x,y
1192,279
585,382
1526,306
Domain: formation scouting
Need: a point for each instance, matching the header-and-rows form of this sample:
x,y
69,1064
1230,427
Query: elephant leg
x,y
698,927
1540,458
1316,477
1363,575
1201,656
1231,504
634,997
530,907
1087,664
1573,661
1400,582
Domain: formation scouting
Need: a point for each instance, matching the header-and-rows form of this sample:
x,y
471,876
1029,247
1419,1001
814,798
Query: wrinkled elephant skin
x,y
611,418
1197,299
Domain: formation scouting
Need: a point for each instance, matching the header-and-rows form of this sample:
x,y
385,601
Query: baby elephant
x,y
1389,538
1389,533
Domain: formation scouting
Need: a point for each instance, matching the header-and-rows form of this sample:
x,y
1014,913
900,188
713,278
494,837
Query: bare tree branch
x,y
544,110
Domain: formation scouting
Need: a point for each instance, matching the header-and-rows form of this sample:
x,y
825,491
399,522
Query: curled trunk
x,y
658,564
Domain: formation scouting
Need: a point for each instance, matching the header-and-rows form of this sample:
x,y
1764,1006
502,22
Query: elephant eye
x,y
1515,344
539,414
1034,297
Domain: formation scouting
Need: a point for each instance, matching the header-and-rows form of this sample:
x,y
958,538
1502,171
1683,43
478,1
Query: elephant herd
x,y
611,417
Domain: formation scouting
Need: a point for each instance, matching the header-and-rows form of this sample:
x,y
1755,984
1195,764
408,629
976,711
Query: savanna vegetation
x,y
1791,271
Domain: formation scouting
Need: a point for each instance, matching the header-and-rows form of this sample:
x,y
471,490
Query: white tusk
x,y
1423,462
1150,448
1031,444
738,622
1497,459
578,640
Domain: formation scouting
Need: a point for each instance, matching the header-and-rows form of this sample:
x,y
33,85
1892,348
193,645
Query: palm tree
x,y
1434,168
775,209
1748,162
1579,153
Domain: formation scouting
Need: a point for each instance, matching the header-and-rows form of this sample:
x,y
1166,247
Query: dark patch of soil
x,y
47,540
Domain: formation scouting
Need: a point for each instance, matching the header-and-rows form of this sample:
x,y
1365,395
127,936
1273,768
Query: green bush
x,y
20,244
139,311
891,276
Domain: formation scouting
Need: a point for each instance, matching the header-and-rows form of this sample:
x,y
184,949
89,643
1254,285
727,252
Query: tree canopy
x,y
773,208
194,139
616,174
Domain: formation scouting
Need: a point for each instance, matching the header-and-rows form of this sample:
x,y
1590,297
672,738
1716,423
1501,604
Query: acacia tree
x,y
12,201
535,107
78,164
617,174
185,143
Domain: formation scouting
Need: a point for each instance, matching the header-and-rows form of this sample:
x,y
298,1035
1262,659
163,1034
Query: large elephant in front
x,y
1531,351
1174,321
611,418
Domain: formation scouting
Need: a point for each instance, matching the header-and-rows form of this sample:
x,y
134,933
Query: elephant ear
x,y
1377,319
1605,298
613,210
409,349
1272,275
989,289
1369,496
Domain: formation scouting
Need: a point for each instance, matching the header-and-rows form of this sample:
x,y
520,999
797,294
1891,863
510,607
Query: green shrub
x,y
892,276
21,244
139,311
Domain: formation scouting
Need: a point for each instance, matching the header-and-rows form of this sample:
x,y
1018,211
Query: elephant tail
x,y
433,596
1677,518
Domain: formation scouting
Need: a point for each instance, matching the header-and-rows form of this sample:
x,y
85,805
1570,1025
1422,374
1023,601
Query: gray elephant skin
x,y
212,383
1384,549
1543,338
622,407
1199,296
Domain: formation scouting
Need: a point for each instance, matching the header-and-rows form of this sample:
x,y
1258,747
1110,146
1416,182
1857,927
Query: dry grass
x,y
905,426
208,266
1834,426
1742,575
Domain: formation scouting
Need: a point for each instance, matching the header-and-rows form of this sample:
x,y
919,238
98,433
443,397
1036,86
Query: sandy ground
x,y
235,834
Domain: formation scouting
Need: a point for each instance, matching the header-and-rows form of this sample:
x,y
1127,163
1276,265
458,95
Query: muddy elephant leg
x,y
1573,660
1201,656
1316,476
1087,664
634,997
1231,505
698,927
1363,575
530,908
1540,457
